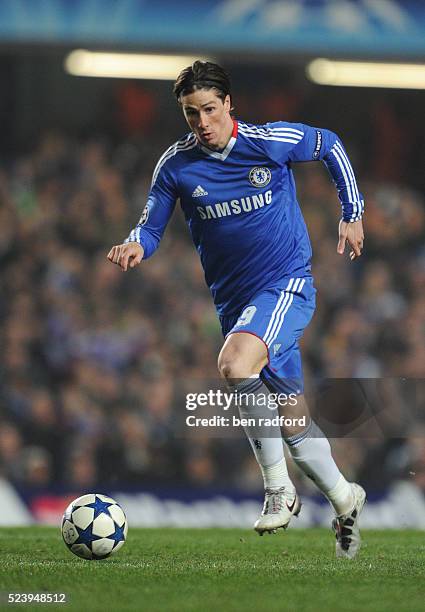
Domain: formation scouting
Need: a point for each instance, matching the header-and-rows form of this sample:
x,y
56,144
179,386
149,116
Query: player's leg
x,y
307,444
311,451
241,360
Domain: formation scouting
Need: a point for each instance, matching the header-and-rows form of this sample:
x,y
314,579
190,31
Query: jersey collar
x,y
222,155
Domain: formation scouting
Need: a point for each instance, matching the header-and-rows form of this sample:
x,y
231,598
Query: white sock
x,y
311,451
341,496
268,446
276,476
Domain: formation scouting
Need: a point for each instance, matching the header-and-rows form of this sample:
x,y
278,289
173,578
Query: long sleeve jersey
x,y
241,207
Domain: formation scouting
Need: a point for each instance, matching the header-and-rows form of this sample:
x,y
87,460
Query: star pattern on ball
x,y
86,536
119,535
99,507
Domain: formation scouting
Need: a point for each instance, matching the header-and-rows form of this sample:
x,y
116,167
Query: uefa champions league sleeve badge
x,y
145,215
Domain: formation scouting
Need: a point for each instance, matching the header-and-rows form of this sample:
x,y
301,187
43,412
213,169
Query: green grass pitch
x,y
219,570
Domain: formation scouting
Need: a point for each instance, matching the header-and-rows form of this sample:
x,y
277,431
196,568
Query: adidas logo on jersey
x,y
199,191
276,349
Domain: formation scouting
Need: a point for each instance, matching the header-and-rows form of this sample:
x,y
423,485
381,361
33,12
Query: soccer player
x,y
237,191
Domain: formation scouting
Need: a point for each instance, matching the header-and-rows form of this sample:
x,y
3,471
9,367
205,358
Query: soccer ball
x,y
94,526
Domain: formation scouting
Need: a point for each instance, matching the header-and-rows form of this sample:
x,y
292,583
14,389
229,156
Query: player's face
x,y
208,117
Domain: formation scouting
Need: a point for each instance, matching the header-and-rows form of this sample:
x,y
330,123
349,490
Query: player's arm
x,y
313,144
350,227
144,239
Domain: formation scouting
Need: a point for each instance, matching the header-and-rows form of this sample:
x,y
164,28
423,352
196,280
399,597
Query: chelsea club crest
x,y
259,176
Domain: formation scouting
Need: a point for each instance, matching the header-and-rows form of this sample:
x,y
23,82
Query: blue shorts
x,y
278,317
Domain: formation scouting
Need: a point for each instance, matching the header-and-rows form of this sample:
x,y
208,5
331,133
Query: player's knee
x,y
233,364
232,369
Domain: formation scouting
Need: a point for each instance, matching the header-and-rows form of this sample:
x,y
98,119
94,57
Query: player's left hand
x,y
353,234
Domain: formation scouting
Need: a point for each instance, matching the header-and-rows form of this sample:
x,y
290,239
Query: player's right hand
x,y
353,234
126,255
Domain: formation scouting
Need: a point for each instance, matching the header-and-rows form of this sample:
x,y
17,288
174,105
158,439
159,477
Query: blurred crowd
x,y
95,362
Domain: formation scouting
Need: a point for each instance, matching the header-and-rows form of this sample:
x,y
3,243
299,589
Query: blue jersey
x,y
240,205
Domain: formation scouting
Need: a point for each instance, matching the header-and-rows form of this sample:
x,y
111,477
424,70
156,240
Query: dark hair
x,y
202,75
